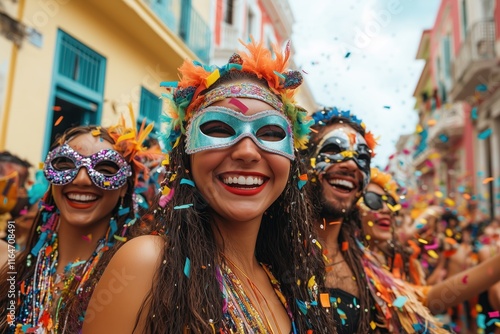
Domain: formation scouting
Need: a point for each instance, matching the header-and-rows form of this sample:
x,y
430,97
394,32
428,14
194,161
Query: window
x,y
150,107
464,18
77,88
250,23
229,12
80,64
447,57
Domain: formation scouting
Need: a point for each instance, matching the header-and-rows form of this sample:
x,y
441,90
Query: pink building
x,y
457,158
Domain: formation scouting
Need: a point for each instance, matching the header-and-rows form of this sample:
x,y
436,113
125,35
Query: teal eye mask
x,y
220,127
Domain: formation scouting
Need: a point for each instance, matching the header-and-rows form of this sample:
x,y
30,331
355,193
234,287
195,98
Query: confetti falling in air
x,y
494,314
184,206
240,105
423,241
487,180
87,237
347,55
464,279
59,120
324,299
394,208
345,246
473,113
302,181
433,254
188,182
434,245
450,202
481,88
212,78
485,134
187,267
387,107
400,301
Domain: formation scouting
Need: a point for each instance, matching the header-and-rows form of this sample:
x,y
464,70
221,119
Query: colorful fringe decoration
x,y
400,303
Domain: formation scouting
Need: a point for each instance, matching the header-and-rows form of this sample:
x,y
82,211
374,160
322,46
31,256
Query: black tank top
x,y
346,311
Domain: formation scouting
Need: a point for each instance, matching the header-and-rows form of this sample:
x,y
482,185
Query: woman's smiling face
x,y
81,202
240,182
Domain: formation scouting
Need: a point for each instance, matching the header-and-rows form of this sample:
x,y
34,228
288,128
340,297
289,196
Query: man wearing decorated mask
x,y
365,297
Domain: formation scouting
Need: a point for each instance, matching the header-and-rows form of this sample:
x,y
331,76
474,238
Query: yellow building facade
x,y
84,61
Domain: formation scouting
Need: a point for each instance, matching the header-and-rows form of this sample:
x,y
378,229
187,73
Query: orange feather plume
x,y
260,61
192,75
371,141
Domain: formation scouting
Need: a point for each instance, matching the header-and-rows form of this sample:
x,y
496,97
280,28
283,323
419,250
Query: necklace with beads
x,y
241,315
44,295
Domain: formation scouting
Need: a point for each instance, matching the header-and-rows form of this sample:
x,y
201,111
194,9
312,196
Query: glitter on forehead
x,y
246,90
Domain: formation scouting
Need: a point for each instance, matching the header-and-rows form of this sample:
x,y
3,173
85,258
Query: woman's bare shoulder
x,y
145,248
123,287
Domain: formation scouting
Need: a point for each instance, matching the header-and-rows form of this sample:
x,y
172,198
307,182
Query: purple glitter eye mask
x,y
107,169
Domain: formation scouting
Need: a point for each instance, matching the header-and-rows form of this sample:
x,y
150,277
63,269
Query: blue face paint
x,y
221,127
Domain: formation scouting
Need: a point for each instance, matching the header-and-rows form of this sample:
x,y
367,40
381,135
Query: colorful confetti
x,y
213,77
240,105
400,301
59,120
473,113
485,134
487,180
187,267
188,182
184,206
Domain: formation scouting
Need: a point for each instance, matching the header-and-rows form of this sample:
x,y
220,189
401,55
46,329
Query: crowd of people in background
x,y
248,215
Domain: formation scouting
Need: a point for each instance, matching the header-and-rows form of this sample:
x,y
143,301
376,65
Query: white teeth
x,y
82,197
244,180
344,183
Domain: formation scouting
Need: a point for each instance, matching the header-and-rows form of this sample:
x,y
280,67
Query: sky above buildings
x,y
360,55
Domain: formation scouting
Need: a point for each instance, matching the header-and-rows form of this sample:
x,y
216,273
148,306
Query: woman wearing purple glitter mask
x,y
84,217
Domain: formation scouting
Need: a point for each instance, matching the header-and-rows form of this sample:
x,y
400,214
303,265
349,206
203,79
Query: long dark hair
x,y
351,228
72,312
177,303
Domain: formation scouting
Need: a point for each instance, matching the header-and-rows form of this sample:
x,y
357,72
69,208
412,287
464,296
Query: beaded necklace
x,y
44,295
240,315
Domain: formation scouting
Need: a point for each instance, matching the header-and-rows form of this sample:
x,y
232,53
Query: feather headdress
x,y
322,117
187,95
385,181
129,143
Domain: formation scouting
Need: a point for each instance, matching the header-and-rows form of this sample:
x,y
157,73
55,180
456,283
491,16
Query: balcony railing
x,y
187,23
449,124
479,45
229,39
